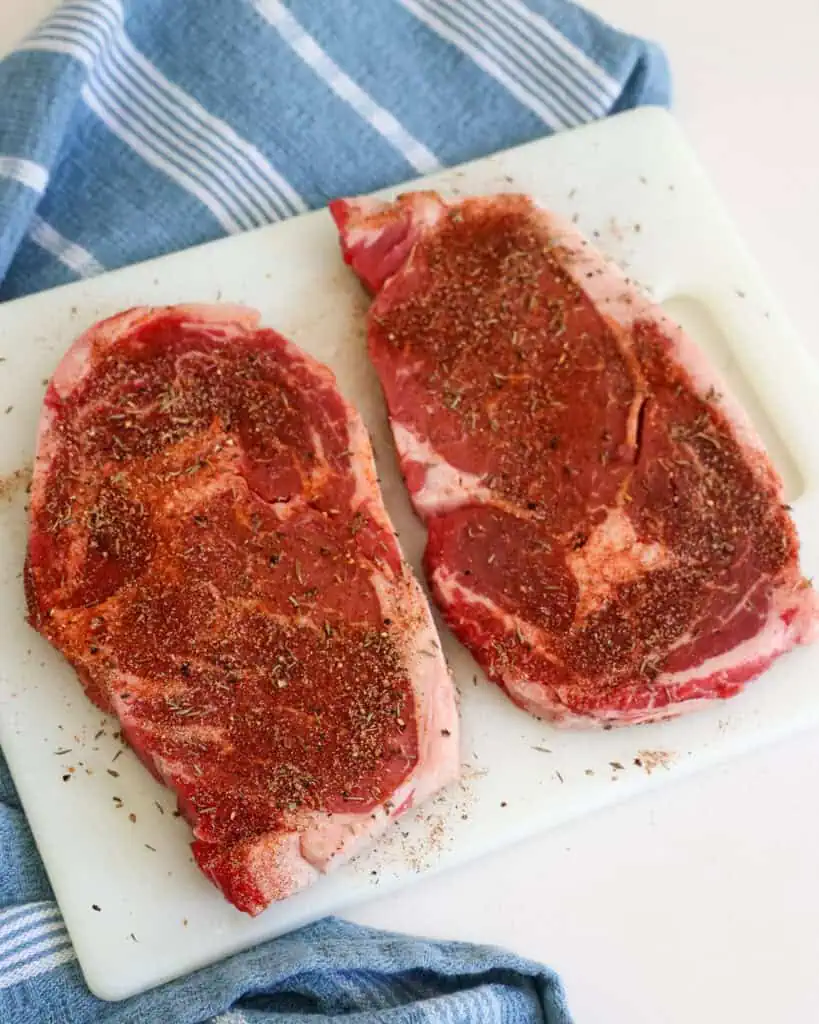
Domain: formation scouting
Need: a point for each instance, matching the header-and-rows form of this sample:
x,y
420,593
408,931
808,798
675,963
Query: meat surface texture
x,y
605,532
209,550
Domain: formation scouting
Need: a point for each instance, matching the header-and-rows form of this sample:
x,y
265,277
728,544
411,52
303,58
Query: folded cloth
x,y
131,128
330,971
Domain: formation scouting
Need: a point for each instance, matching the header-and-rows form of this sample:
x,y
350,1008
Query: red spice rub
x,y
209,550
605,532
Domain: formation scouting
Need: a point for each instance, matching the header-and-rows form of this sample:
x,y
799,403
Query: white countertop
x,y
699,903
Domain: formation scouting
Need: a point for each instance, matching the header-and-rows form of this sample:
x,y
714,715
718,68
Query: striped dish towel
x,y
131,128
332,971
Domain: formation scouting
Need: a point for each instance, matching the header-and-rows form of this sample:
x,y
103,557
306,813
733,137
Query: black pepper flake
x,y
96,907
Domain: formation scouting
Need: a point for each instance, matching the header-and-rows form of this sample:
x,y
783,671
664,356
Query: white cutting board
x,y
631,181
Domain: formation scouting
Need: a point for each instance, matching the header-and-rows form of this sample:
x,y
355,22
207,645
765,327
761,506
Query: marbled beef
x,y
606,533
209,550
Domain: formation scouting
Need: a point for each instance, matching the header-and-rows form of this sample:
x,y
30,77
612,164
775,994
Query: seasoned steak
x,y
606,533
210,551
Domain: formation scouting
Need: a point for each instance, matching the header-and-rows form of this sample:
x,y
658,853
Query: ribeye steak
x,y
209,550
605,531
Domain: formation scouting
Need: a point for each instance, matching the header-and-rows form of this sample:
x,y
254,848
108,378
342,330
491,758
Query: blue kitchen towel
x,y
131,128
330,971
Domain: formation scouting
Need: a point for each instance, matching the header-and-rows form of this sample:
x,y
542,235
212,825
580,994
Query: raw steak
x,y
210,551
606,533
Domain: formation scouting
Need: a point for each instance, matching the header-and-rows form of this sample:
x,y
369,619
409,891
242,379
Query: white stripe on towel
x,y
28,938
33,968
522,51
435,17
574,61
26,172
167,127
49,944
23,928
68,253
414,152
544,64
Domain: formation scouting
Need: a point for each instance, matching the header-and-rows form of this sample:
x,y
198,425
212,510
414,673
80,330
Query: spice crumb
x,y
132,817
